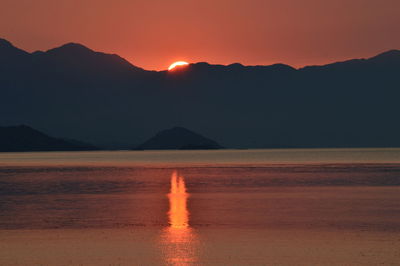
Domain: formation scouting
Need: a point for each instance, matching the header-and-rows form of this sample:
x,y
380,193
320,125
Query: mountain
x,y
9,53
24,138
11,58
80,60
178,138
75,92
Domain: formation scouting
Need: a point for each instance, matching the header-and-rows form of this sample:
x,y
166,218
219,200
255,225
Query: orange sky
x,y
154,33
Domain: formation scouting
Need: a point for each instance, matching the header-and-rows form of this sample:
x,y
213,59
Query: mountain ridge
x,y
105,102
73,47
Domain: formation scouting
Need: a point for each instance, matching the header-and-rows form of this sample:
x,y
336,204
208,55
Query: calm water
x,y
203,158
204,207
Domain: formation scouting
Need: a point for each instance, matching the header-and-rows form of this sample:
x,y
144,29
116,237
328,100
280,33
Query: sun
x,y
179,63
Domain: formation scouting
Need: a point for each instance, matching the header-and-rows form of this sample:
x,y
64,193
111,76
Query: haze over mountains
x,y
74,92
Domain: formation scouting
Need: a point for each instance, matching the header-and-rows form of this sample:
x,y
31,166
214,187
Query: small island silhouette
x,y
178,138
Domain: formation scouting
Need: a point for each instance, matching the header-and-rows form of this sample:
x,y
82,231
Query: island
x,y
178,138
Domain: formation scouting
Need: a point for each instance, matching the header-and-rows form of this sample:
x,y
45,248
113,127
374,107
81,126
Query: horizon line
x,y
205,62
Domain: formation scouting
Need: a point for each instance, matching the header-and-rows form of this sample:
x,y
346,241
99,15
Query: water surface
x,y
250,207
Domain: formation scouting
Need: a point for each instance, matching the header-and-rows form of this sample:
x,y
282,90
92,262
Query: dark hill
x,y
178,138
24,138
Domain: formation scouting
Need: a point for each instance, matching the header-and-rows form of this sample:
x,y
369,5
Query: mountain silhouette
x,y
24,138
9,53
178,138
75,92
82,60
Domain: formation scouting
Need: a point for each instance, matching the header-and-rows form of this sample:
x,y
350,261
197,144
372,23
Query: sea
x,y
219,207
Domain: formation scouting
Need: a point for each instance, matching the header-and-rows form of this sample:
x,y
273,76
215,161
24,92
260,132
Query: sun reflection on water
x,y
178,213
179,238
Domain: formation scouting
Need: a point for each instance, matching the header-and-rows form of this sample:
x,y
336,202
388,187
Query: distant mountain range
x,y
74,92
24,138
178,138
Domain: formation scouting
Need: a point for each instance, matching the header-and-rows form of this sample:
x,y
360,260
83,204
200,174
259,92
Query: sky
x,y
152,34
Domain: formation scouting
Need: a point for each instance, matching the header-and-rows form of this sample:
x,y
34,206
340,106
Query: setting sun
x,y
179,63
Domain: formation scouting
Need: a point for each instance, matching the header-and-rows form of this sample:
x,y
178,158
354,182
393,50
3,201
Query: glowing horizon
x,y
254,32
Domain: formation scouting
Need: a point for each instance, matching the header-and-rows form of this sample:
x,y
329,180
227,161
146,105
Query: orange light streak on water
x,y
178,212
179,239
